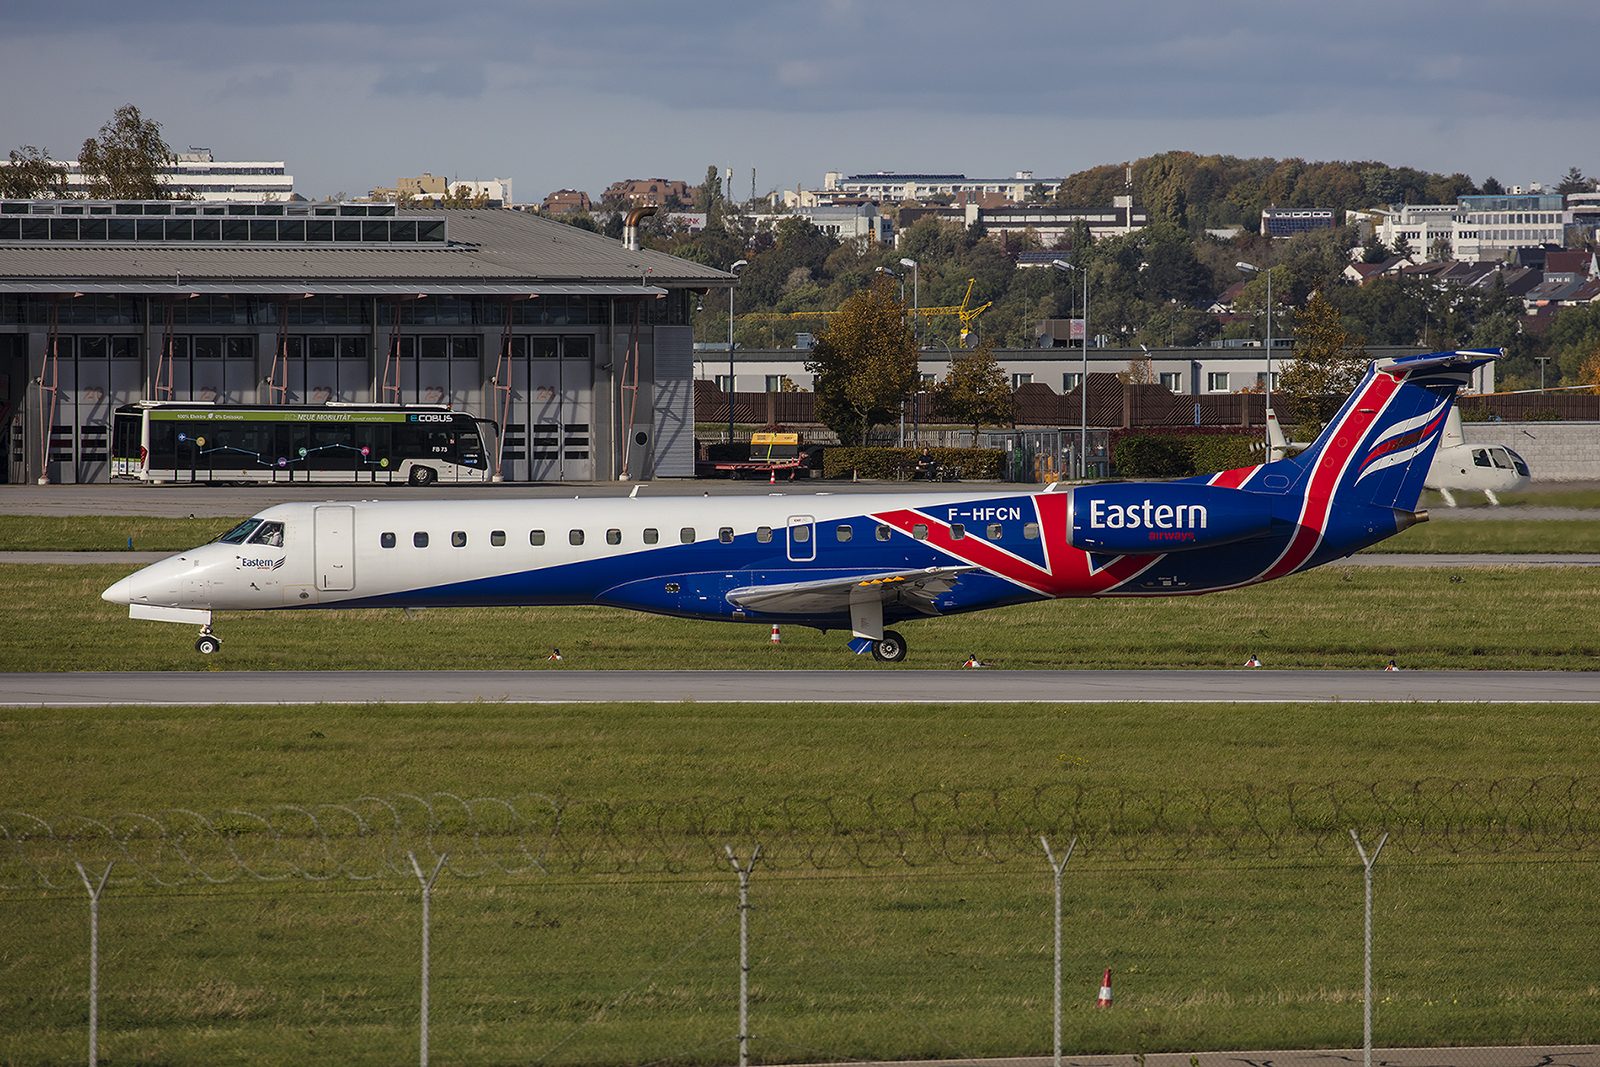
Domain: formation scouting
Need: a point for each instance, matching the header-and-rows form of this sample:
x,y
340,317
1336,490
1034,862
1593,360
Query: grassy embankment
x,y
612,960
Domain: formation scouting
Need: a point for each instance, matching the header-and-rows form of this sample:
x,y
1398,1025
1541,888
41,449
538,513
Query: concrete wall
x,y
1555,451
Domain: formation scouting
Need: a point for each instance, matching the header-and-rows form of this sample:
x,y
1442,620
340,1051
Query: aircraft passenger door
x,y
802,538
335,547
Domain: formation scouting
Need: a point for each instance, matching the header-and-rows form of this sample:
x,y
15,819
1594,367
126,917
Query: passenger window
x,y
686,535
387,540
535,537
800,534
575,537
725,535
844,533
420,540
651,536
459,539
1480,457
764,534
883,533
497,538
1031,531
957,531
613,537
920,531
673,587
995,531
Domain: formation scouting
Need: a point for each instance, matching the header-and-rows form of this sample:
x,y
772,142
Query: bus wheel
x,y
423,476
207,644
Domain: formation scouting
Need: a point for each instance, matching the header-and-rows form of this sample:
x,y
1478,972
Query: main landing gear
x,y
208,642
892,649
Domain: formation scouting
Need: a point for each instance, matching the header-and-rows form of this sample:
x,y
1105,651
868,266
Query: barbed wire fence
x,y
534,835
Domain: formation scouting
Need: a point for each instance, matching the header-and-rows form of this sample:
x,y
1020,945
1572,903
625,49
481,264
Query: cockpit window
x,y
1500,458
1519,463
239,533
270,534
1480,457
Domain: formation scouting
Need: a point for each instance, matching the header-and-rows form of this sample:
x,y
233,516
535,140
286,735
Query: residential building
x,y
888,186
651,192
564,200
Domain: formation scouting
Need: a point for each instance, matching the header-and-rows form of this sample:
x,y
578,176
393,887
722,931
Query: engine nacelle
x,y
1146,518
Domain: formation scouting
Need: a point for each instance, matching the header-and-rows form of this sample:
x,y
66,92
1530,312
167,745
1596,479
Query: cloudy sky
x,y
353,94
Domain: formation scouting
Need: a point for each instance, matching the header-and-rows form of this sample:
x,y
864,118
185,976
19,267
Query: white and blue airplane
x,y
839,562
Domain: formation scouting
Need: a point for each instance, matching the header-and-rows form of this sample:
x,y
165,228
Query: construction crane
x,y
964,311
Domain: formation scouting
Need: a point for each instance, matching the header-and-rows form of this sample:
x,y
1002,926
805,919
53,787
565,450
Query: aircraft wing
x,y
915,588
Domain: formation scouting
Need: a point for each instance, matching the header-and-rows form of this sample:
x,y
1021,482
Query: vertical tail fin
x,y
1379,446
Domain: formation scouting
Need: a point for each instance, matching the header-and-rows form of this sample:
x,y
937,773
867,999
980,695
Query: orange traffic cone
x,y
775,637
772,479
1105,991
1252,661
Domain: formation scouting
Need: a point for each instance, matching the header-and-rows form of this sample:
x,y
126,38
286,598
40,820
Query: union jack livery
x,y
840,562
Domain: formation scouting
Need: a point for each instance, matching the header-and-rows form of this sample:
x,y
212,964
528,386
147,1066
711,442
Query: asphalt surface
x,y
881,686
1498,1056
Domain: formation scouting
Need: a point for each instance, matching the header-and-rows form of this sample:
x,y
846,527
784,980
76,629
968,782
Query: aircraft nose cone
x,y
120,592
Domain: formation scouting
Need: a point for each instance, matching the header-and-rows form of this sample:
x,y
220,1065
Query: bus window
x,y
239,533
270,534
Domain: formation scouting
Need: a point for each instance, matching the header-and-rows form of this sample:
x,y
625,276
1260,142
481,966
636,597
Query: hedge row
x,y
900,463
1175,456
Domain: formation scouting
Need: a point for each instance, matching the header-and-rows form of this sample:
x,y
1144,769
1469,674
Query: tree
x,y
1440,251
127,160
865,362
1492,187
1329,363
1575,182
975,391
708,198
33,174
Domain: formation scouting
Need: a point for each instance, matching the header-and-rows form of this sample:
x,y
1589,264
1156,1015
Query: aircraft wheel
x,y
892,649
423,476
207,644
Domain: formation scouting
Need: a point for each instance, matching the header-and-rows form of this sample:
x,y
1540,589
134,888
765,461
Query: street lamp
x,y
916,340
733,270
1253,269
1083,383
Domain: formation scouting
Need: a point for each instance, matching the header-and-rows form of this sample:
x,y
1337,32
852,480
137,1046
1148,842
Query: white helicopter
x,y
1458,466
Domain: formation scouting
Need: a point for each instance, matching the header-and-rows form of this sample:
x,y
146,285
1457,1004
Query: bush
x,y
1153,456
1218,453
900,463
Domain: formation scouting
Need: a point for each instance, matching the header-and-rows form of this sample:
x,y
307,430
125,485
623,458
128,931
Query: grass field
x,y
1256,948
1479,618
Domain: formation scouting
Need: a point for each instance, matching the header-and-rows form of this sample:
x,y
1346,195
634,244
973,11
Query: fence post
x,y
1056,867
1366,989
744,950
427,891
94,955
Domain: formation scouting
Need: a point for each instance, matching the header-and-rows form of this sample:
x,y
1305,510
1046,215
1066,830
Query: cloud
x,y
452,81
257,86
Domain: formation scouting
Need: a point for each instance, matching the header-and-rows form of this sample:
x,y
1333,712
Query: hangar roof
x,y
488,251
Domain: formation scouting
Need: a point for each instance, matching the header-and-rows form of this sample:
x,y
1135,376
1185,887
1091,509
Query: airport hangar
x,y
577,345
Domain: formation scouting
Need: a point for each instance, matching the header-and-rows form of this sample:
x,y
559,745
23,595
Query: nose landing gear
x,y
208,642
